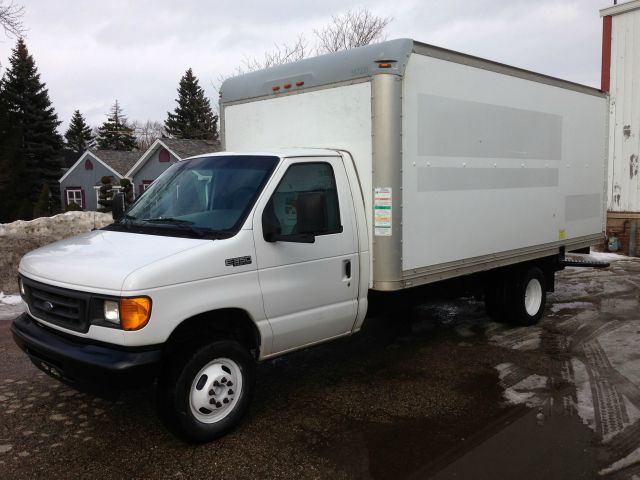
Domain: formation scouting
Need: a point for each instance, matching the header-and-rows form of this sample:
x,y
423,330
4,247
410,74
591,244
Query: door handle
x,y
347,269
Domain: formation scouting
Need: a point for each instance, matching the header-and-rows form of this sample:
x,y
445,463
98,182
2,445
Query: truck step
x,y
582,260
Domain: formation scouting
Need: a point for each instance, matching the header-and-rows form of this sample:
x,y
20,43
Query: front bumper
x,y
82,364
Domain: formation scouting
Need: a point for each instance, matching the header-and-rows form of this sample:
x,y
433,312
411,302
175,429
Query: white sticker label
x,y
382,207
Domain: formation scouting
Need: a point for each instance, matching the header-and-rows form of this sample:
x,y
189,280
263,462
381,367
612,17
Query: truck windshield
x,y
202,197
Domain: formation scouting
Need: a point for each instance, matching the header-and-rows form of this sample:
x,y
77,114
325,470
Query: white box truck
x,y
387,168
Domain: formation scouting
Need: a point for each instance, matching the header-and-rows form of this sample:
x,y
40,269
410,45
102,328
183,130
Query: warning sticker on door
x,y
382,207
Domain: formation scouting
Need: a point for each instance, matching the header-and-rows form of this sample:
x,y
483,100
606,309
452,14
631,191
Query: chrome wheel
x,y
215,390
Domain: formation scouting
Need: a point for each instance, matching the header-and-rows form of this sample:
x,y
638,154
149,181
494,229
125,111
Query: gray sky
x,y
92,52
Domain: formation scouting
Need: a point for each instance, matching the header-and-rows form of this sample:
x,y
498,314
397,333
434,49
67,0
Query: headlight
x,y
112,312
135,312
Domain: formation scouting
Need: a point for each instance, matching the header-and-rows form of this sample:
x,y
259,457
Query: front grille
x,y
59,306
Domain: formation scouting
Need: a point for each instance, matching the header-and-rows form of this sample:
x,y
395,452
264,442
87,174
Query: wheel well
x,y
231,323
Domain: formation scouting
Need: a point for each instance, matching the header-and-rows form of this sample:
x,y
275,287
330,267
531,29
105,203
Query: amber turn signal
x,y
134,312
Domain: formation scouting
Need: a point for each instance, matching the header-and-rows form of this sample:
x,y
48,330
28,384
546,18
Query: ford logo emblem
x,y
48,306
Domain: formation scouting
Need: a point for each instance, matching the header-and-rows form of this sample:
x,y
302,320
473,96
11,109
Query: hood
x,y
101,259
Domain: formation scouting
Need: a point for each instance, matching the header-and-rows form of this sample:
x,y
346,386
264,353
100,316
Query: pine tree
x,y
79,137
115,133
13,188
43,207
29,106
193,117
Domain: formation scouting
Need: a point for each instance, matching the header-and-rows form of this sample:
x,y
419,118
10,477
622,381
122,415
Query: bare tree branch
x,y
355,28
11,19
281,54
147,132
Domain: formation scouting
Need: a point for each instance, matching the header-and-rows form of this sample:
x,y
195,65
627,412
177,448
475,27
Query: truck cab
x,y
259,252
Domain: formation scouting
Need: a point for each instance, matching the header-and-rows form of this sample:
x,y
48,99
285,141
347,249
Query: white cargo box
x,y
465,164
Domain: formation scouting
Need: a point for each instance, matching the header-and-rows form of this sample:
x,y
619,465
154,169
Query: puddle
x,y
522,444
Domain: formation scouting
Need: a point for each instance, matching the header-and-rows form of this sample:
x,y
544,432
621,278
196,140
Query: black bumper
x,y
86,366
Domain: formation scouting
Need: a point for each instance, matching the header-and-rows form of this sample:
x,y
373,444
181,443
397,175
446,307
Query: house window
x,y
163,155
75,195
88,165
114,189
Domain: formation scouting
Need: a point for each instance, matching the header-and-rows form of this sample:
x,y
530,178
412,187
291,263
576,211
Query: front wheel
x,y
207,390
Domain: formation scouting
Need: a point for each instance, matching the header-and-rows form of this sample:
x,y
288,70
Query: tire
x,y
495,301
526,297
206,391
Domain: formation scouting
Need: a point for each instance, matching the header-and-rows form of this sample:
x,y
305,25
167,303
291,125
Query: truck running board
x,y
582,260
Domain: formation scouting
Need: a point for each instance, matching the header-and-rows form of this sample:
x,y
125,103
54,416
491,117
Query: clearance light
x,y
275,88
384,65
299,84
134,312
287,85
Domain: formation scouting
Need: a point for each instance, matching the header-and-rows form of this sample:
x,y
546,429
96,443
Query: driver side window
x,y
304,183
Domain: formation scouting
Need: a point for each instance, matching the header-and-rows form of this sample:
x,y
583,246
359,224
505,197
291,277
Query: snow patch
x,y
556,307
526,391
59,226
607,256
10,299
585,407
632,458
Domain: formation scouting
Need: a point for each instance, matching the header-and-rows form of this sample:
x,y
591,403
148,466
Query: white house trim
x,y
622,8
73,167
143,159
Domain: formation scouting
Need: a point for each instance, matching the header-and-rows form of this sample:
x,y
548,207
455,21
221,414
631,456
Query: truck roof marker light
x,y
299,84
287,85
134,312
275,88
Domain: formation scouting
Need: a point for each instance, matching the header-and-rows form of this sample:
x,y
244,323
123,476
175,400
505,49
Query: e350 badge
x,y
237,261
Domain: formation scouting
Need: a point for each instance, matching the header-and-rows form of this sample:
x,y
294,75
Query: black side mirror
x,y
117,206
270,223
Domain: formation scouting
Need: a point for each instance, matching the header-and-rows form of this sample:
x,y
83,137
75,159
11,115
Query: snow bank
x,y
9,299
56,227
20,237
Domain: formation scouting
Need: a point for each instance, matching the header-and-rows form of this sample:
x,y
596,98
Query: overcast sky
x,y
92,52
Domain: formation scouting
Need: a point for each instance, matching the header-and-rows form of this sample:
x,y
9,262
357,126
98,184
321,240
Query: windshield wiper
x,y
183,224
170,220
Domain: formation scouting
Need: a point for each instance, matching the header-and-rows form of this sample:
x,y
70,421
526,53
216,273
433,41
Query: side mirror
x,y
270,224
117,206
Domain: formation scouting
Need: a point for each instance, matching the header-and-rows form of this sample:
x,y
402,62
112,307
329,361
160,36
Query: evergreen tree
x,y
29,107
115,133
79,137
13,189
193,117
43,207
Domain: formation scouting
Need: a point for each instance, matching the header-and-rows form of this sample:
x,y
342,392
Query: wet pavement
x,y
449,395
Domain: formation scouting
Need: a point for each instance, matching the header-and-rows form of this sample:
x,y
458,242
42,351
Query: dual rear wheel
x,y
518,297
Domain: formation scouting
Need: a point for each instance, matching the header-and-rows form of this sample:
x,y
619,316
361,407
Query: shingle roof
x,y
121,162
189,148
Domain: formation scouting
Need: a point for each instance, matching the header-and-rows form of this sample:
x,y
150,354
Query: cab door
x,y
306,251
